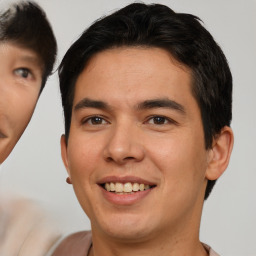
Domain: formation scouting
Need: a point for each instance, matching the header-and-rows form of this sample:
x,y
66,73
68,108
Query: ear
x,y
64,154
219,154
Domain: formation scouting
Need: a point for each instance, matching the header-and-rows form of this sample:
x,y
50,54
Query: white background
x,y
35,169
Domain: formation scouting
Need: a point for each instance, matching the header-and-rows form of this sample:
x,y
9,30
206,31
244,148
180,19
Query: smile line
x,y
2,136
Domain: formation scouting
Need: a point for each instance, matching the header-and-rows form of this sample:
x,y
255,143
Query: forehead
x,y
133,71
13,51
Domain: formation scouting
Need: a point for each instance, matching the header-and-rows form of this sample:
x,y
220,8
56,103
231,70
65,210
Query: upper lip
x,y
125,179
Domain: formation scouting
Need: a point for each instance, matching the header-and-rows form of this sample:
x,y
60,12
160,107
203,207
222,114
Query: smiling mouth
x,y
125,188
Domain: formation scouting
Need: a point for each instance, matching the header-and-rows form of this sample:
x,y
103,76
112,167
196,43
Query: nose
x,y
124,145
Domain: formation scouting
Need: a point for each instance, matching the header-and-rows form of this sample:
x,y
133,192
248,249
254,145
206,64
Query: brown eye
x,y
95,120
158,120
22,72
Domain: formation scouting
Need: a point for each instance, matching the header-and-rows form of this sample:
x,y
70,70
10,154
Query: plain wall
x,y
35,169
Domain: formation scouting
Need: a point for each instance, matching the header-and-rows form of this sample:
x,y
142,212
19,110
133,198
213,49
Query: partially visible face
x,y
136,153
20,82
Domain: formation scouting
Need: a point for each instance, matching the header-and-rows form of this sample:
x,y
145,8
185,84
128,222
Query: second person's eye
x,y
22,72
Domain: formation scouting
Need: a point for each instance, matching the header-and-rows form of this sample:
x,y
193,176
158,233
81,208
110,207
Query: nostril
x,y
125,159
129,158
109,159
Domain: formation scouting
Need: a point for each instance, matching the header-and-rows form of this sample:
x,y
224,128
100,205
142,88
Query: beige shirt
x,y
71,245
211,251
25,230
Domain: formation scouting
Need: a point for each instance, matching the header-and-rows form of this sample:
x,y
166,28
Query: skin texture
x,y
25,229
21,77
126,138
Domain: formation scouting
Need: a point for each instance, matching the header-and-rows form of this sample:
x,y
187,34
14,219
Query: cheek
x,y
168,152
18,103
181,159
15,116
21,107
84,155
23,114
83,161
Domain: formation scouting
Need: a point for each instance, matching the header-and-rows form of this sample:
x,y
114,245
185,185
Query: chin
x,y
128,235
126,228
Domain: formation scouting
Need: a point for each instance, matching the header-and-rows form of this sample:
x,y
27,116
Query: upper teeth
x,y
125,187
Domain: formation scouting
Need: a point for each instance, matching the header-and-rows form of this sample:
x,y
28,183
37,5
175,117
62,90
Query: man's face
x,y
136,129
20,82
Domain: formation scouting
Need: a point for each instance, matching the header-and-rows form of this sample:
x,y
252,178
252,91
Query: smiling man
x,y
147,102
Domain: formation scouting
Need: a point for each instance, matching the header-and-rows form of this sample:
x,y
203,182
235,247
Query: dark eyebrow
x,y
32,60
88,103
161,103
29,58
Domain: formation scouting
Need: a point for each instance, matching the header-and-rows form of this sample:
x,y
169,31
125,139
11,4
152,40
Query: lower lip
x,y
125,199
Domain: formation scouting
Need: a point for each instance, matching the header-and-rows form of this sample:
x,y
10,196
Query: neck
x,y
164,244
147,249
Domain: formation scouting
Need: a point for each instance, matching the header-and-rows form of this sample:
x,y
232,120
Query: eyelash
x,y
163,118
102,119
89,119
28,72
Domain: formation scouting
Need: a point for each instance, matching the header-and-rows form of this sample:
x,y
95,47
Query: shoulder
x,y
210,250
75,244
23,224
213,253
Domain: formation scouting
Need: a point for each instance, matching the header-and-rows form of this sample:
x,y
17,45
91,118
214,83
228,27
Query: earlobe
x,y
64,152
219,154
